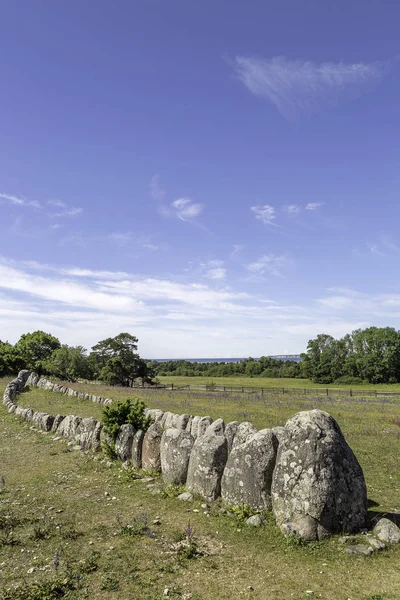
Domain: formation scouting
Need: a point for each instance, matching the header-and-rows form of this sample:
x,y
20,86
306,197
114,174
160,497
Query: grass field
x,y
270,382
98,560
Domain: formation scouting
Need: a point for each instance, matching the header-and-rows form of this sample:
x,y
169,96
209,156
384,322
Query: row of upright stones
x,y
305,472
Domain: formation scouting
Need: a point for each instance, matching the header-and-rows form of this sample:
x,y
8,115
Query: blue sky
x,y
218,178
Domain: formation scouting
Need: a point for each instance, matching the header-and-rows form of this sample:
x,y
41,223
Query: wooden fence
x,y
231,389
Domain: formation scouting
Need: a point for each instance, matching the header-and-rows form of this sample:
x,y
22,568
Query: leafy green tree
x,y
10,362
35,348
69,363
118,362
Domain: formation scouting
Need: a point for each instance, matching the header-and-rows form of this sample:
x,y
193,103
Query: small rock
x,y
196,510
255,521
147,479
185,497
156,522
375,543
387,531
359,549
155,491
31,570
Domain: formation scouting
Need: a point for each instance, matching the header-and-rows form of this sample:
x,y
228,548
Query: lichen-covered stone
x,y
318,486
206,465
202,425
88,434
247,477
387,531
176,446
230,432
182,421
123,443
68,427
244,431
137,444
151,458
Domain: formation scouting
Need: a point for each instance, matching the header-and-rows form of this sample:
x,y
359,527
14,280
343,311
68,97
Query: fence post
x,y
262,391
224,388
242,390
172,387
327,391
351,392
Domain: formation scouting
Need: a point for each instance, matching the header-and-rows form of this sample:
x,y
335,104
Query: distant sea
x,y
294,357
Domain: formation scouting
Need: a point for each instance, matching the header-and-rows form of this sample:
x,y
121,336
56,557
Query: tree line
x,y
370,355
249,367
113,360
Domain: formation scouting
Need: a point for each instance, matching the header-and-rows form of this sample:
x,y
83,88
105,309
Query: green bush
x,y
123,412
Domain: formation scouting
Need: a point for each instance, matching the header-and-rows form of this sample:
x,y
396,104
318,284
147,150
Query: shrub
x,y
125,412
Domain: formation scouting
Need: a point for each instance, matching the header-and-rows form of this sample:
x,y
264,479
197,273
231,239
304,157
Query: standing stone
x,y
230,432
206,465
88,434
176,446
123,443
244,431
203,423
194,426
151,458
182,421
248,473
137,444
318,486
57,421
68,426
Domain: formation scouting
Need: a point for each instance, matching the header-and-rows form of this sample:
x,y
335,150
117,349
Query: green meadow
x,y
114,537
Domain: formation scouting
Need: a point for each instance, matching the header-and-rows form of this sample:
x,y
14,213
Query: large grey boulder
x,y
57,421
244,431
176,446
151,458
318,486
123,443
137,444
206,464
387,531
68,426
88,434
247,477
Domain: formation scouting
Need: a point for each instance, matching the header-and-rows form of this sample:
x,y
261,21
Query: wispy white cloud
x,y
268,263
128,238
74,211
18,201
185,209
314,205
296,87
214,269
56,202
264,213
292,209
171,317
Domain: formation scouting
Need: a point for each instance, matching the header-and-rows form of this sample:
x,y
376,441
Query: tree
x,y
69,363
118,362
10,362
35,348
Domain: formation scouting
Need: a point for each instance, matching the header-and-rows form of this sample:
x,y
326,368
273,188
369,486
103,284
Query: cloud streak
x,y
264,213
297,87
